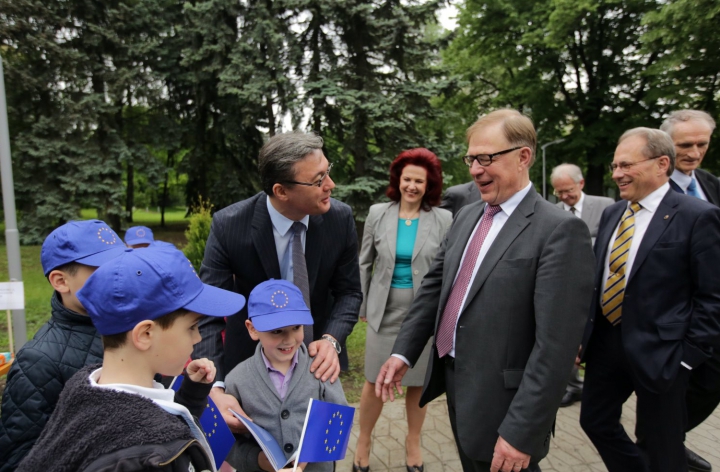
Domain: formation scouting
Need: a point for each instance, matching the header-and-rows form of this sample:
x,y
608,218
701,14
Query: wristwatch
x,y
332,341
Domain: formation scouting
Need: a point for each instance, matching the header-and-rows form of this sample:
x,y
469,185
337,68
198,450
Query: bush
x,y
198,232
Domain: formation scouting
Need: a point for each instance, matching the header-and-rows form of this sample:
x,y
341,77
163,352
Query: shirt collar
x,y
652,201
158,392
512,203
578,206
281,223
273,369
683,180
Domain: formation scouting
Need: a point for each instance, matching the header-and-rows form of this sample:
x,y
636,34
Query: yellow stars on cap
x,y
140,233
277,303
106,235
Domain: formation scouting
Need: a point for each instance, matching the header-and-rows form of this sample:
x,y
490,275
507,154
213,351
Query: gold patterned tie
x,y
615,285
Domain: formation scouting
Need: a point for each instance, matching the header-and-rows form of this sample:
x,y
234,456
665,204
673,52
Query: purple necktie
x,y
446,330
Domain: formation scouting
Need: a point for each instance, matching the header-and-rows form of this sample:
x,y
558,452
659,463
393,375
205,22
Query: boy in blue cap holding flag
x,y
66,343
275,385
146,304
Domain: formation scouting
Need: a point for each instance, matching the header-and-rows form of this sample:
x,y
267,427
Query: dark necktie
x,y
300,275
446,330
572,210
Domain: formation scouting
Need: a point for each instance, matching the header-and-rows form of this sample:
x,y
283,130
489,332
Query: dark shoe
x,y
415,468
357,468
569,398
696,463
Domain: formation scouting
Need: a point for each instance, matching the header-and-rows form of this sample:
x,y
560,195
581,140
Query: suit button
x,y
285,414
416,272
288,447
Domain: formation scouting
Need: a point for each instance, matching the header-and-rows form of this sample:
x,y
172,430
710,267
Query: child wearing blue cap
x,y
139,236
146,304
275,385
66,343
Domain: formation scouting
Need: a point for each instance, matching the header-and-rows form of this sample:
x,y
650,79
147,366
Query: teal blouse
x,y
402,275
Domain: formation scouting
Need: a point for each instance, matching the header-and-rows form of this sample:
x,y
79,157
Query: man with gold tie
x,y
656,309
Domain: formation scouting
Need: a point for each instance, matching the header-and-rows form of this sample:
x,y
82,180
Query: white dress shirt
x,y
578,206
283,236
683,181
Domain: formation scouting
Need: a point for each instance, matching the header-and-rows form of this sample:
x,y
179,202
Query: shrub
x,y
198,232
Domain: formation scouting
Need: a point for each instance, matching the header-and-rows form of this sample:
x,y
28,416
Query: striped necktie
x,y
614,292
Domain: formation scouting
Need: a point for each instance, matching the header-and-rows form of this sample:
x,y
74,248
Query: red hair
x,y
423,158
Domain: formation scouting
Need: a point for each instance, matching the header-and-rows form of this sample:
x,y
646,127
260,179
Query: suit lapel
x,y
314,244
454,256
264,240
425,223
512,228
659,222
588,211
389,222
708,187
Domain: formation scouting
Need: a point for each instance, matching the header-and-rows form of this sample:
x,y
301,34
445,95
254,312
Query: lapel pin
x,y
666,217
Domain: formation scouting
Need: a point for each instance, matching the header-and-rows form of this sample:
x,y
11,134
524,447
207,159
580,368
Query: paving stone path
x,y
570,450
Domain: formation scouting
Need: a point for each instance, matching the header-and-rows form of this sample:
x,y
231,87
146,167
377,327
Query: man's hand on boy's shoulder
x,y
226,402
326,364
201,370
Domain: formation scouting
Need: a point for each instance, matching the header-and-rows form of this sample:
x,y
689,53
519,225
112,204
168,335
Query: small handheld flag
x,y
217,432
326,432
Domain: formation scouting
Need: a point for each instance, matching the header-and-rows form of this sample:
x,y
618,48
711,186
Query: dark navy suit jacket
x,y
671,309
240,253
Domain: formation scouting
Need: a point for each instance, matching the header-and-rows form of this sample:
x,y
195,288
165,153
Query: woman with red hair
x,y
399,243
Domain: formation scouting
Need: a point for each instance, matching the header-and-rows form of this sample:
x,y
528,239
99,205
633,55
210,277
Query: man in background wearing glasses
x,y
656,312
506,300
292,230
567,181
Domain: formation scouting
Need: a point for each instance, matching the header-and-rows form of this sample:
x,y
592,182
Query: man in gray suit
x,y
458,196
506,299
567,181
293,230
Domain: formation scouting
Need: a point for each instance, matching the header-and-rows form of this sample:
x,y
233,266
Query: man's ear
x,y
251,329
142,335
280,192
525,157
58,280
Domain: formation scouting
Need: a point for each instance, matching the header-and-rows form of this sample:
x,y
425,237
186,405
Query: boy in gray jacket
x,y
275,386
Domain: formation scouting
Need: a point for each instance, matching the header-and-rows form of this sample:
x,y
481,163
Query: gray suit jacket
x,y
592,211
458,196
377,255
519,329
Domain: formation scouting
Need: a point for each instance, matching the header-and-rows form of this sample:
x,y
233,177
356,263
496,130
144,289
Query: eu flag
x,y
217,432
326,433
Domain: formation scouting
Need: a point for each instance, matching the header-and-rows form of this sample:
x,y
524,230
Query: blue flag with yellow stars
x,y
326,433
217,432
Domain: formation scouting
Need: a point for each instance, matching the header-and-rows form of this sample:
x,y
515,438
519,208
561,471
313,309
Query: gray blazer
x,y
592,210
458,196
377,255
519,330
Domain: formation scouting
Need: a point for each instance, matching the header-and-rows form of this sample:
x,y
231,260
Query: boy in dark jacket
x,y
63,345
146,304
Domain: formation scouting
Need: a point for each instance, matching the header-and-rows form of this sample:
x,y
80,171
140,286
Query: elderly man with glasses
x,y
292,230
506,299
655,316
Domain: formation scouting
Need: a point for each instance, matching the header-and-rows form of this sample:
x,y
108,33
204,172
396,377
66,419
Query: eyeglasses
x,y
560,193
317,183
486,159
626,166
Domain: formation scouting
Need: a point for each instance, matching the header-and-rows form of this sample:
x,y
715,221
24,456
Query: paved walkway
x,y
570,449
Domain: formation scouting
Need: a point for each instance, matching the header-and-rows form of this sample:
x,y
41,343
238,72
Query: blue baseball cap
x,y
138,235
275,304
89,242
145,284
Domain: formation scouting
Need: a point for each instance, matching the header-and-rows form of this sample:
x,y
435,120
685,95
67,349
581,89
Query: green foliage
x,y
198,232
